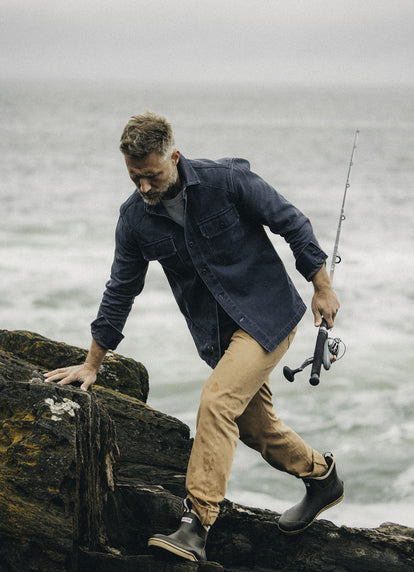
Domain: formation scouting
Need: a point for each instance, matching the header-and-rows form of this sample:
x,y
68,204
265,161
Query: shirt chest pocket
x,y
165,251
220,223
224,235
168,254
159,250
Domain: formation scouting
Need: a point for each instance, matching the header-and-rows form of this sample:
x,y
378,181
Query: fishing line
x,y
327,350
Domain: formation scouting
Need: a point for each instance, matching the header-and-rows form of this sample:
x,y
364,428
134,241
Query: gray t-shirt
x,y
175,208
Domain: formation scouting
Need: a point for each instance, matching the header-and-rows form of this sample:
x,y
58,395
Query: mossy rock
x,y
117,372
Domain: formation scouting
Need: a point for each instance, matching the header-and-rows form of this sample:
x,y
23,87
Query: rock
x,y
117,372
87,477
57,452
151,443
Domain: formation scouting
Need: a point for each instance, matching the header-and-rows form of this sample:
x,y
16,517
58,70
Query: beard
x,y
168,191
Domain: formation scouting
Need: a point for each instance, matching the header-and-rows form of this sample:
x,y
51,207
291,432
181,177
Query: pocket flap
x,y
158,250
220,223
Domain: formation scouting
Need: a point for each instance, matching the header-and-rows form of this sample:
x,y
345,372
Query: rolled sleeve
x,y
310,260
105,334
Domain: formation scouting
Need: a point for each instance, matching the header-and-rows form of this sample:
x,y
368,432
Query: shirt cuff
x,y
310,260
105,334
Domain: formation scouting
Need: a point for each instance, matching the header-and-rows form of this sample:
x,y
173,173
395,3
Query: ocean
x,y
63,180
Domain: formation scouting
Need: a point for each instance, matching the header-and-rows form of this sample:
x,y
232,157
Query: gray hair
x,y
145,134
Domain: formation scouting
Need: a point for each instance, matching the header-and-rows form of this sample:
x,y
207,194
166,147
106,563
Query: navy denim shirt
x,y
222,268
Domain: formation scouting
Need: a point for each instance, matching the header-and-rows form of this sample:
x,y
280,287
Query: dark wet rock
x,y
87,477
57,453
118,373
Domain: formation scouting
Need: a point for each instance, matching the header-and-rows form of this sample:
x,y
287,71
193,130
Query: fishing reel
x,y
327,351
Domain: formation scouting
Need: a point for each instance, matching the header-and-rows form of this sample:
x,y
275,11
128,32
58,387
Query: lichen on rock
x,y
60,408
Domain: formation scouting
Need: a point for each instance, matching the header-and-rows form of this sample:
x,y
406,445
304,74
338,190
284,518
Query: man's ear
x,y
175,156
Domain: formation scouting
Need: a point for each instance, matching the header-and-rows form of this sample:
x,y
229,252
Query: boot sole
x,y
159,543
337,501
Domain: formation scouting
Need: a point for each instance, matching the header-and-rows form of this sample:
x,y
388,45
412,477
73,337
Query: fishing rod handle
x,y
318,353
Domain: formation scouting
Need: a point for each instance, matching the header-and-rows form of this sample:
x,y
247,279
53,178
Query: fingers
x,y
325,304
330,320
50,373
67,375
318,318
62,374
329,317
86,385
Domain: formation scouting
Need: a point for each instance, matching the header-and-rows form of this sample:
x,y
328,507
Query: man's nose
x,y
144,185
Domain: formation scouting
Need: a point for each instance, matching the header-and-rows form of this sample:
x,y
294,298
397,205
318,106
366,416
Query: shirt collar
x,y
188,175
188,178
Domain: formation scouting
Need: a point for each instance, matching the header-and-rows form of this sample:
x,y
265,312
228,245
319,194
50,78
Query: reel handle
x,y
290,373
318,353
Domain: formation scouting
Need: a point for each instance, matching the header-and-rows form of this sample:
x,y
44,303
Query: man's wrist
x,y
95,356
320,280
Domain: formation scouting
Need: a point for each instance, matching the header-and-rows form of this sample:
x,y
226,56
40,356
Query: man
x,y
203,221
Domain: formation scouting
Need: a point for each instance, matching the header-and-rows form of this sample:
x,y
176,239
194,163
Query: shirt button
x,y
191,244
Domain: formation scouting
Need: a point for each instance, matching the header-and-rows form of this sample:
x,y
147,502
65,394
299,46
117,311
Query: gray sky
x,y
320,41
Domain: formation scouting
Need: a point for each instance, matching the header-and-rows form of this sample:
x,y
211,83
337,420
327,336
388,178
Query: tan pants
x,y
236,402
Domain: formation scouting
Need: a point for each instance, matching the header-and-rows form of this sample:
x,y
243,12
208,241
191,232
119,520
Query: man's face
x,y
156,178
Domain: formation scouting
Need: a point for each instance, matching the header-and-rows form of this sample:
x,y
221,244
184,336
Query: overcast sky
x,y
322,41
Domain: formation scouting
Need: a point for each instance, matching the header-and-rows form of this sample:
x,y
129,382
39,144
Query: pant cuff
x,y
206,515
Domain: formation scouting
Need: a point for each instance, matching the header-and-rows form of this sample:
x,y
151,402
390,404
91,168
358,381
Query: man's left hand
x,y
324,302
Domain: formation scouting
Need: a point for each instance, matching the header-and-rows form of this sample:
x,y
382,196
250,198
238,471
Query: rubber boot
x,y
188,541
321,493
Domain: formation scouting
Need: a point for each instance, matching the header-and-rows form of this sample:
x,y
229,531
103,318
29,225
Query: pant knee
x,y
220,407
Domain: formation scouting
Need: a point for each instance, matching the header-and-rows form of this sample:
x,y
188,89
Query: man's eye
x,y
148,177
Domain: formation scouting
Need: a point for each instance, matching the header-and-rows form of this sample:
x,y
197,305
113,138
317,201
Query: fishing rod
x,y
327,349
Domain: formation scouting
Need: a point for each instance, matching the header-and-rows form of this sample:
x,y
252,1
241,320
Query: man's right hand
x,y
65,375
85,373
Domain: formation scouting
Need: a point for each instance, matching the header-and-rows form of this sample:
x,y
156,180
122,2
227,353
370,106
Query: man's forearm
x,y
321,280
95,356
